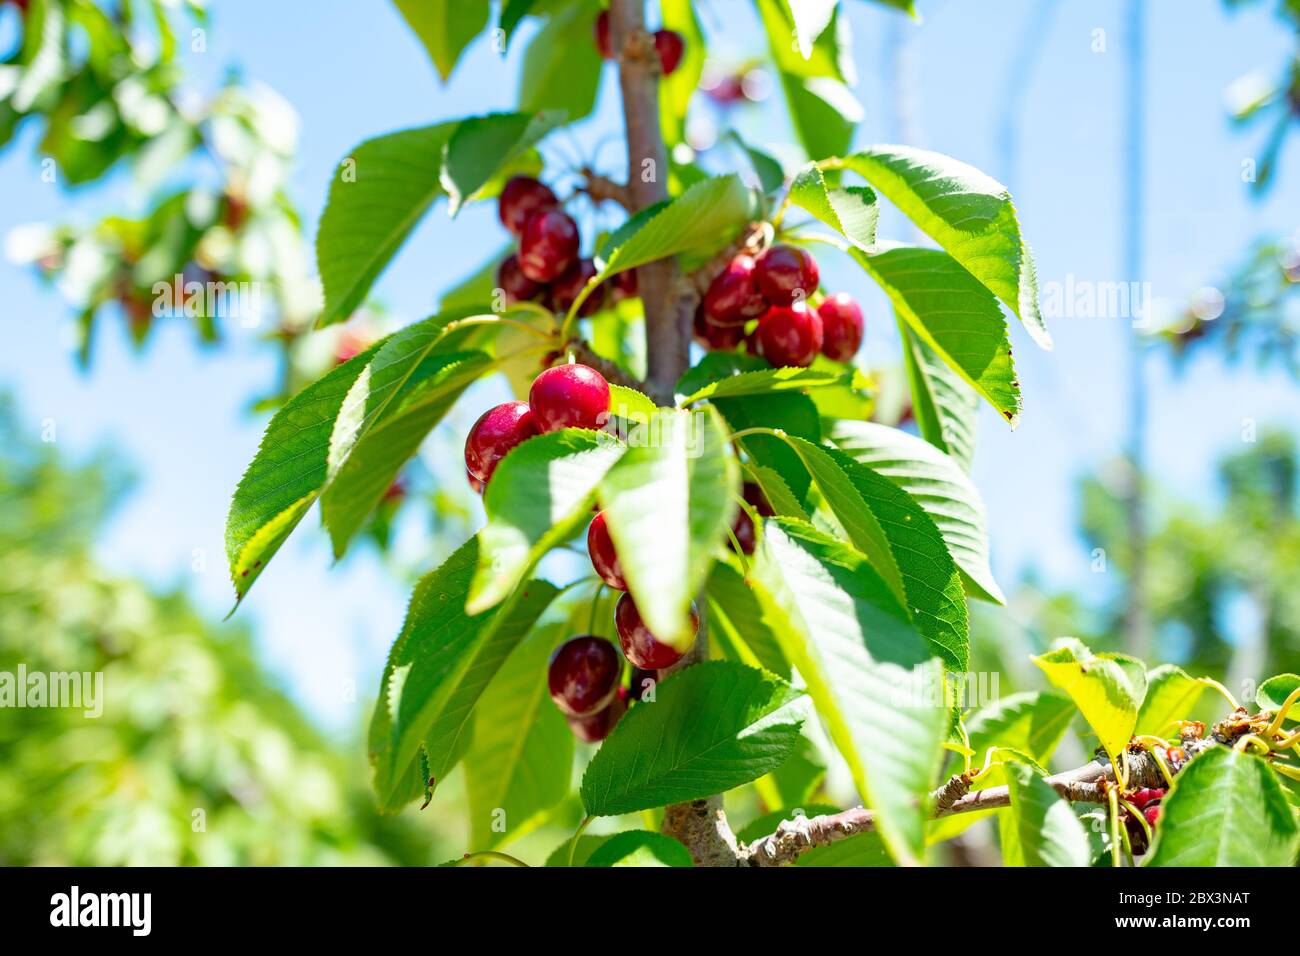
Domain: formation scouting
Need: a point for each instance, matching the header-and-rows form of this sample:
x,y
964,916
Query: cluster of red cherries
x,y
547,268
1147,801
668,44
762,302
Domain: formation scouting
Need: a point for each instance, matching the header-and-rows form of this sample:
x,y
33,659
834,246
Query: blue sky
x,y
352,70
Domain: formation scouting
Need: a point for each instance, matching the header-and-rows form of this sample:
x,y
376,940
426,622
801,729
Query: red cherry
x,y
497,431
729,90
841,327
752,344
733,297
755,498
512,281
569,396
625,286
790,335
548,246
566,288
641,647
594,728
520,198
670,45
1152,814
786,274
583,675
716,337
601,31
603,556
743,528
475,482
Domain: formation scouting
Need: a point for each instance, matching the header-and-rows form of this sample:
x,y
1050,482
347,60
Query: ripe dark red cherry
x,y
786,274
497,431
790,335
1152,814
755,498
841,327
669,45
716,337
548,246
569,284
512,281
475,482
603,557
640,647
743,528
520,198
569,396
601,31
733,297
594,728
1145,796
583,676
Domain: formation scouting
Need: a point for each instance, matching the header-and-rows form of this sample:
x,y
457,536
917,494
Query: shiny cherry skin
x,y
517,286
755,498
640,647
786,274
600,546
670,46
570,283
594,728
733,297
569,396
497,431
600,29
548,246
1152,813
841,326
475,482
583,675
520,198
716,337
743,528
1145,796
790,335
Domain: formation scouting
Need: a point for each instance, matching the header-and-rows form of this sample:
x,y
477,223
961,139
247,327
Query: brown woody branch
x,y
603,189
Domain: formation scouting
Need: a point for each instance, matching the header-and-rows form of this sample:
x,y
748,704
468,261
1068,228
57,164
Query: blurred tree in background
x,y
197,758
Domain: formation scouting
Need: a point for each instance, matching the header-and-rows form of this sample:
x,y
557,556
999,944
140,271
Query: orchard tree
x,y
776,580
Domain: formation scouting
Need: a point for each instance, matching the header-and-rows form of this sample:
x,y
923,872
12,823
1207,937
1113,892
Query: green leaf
x,y
769,380
948,309
668,503
771,176
445,27
1040,829
1105,687
789,412
640,848
587,845
392,406
628,403
939,485
851,211
968,213
866,669
438,667
677,89
540,496
736,620
902,543
562,67
943,403
1272,694
1171,695
713,727
520,761
512,12
377,196
1226,808
481,145
810,18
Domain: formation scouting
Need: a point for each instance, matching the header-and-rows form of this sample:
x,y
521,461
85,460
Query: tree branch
x,y
613,372
603,189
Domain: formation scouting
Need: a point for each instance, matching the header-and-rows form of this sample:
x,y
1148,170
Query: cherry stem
x,y
1211,682
1282,712
573,845
1112,797
468,858
1155,745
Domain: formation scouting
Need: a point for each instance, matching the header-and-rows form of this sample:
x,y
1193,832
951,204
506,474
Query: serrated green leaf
x,y
852,211
630,404
445,27
668,503
519,764
949,310
1272,694
714,726
562,67
1226,808
736,618
771,176
944,404
866,668
1105,687
587,845
512,12
1171,694
1040,829
640,848
968,213
766,381
539,497
481,145
939,485
438,667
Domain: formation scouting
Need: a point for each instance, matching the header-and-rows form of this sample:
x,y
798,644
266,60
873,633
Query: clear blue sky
x,y
352,70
